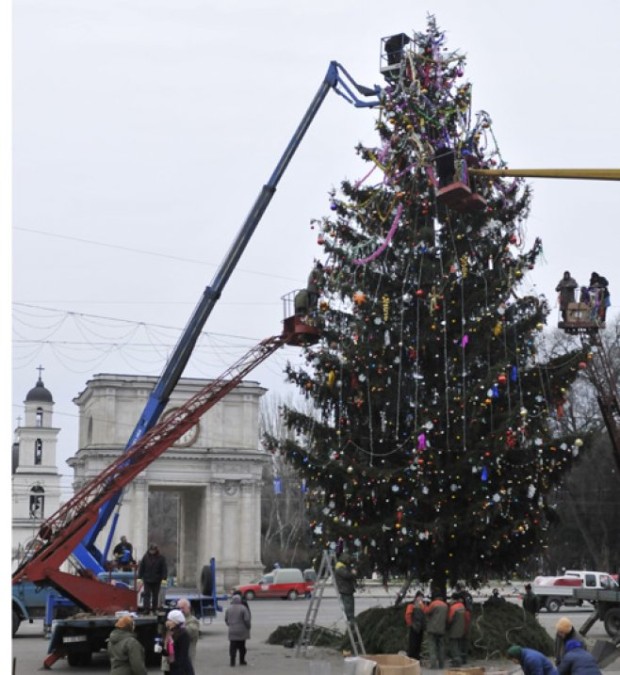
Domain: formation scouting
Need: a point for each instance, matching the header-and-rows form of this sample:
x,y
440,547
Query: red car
x,y
279,583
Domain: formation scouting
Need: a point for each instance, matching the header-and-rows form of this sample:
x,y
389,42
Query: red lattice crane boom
x,y
59,534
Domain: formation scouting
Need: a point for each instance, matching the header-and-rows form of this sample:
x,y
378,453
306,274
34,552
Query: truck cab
x,y
593,579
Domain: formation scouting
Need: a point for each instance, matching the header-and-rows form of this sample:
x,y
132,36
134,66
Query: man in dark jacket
x,y
152,571
577,661
125,652
531,602
123,554
346,583
531,661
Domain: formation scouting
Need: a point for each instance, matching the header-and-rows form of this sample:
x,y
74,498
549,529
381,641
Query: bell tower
x,y
35,479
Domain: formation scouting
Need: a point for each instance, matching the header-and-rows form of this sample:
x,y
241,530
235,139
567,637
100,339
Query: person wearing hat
x,y
577,661
565,631
566,289
346,583
532,662
125,652
176,644
531,602
415,618
237,618
152,572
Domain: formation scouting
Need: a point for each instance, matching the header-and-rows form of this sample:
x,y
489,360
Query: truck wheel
x,y
612,623
249,595
16,621
553,605
79,658
206,581
293,595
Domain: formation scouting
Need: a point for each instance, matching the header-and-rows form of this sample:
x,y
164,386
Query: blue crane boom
x,y
337,79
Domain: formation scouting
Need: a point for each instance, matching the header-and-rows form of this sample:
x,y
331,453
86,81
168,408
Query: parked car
x,y
279,583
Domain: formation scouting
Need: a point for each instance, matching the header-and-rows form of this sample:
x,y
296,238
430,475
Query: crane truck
x,y
72,531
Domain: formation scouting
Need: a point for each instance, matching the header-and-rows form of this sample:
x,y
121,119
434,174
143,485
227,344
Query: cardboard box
x,y
394,664
465,671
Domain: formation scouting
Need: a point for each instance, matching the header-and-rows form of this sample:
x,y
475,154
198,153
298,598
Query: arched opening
x,y
38,451
38,420
37,502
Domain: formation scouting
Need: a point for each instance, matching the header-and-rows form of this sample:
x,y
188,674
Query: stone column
x,y
139,516
247,524
214,520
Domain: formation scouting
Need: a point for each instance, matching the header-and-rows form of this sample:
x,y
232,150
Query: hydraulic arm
x,y
73,530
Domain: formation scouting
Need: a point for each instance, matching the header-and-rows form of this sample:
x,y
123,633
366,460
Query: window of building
x,y
38,421
38,451
37,502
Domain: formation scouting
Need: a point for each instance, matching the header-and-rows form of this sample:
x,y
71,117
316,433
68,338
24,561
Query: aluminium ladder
x,y
325,574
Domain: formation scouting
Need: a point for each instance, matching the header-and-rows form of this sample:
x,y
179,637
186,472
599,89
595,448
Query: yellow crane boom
x,y
578,174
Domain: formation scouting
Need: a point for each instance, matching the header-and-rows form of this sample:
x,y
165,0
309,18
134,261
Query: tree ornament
x,y
331,378
464,265
359,298
433,300
385,301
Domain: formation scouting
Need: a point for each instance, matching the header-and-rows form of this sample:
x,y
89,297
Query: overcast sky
x,y
144,130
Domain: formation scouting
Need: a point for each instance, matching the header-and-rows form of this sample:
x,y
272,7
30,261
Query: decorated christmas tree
x,y
434,441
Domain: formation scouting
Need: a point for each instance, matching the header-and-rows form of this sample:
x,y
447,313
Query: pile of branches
x,y
383,631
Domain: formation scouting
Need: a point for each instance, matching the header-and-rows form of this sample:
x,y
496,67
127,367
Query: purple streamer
x,y
390,235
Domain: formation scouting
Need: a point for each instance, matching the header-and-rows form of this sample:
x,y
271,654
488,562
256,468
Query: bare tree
x,y
588,502
284,514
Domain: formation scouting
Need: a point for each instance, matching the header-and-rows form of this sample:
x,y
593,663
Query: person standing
x,y
531,602
577,661
125,652
436,620
415,618
599,297
153,572
565,631
566,289
456,628
176,644
346,583
532,662
237,618
192,626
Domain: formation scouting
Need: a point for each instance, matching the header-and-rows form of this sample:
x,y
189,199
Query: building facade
x,y
211,477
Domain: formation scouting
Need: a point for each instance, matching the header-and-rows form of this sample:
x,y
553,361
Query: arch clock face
x,y
189,437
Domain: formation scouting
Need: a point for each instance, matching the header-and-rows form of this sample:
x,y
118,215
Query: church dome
x,y
39,394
